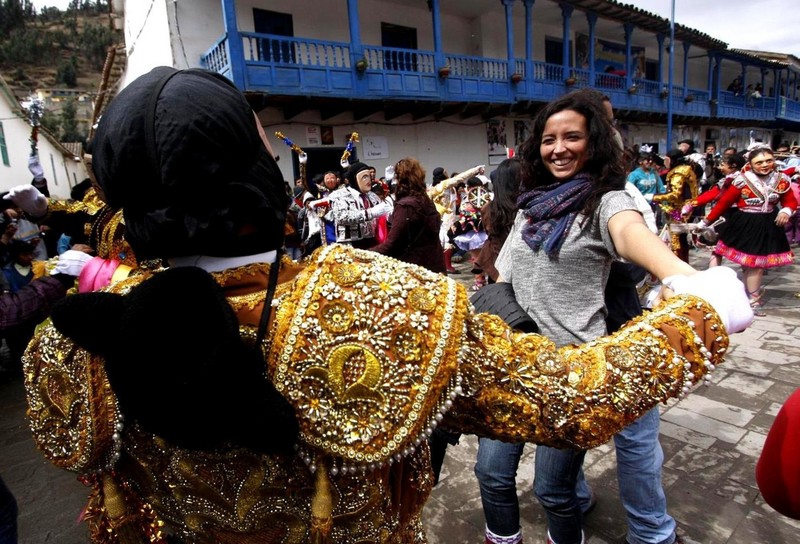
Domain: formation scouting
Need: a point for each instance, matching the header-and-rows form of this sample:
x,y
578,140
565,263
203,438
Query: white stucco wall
x,y
147,37
62,171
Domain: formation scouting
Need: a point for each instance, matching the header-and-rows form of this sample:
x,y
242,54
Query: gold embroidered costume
x,y
681,188
372,354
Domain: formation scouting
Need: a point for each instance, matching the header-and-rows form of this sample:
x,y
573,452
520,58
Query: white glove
x,y
686,209
35,168
703,228
302,158
71,262
720,287
379,210
29,199
648,197
389,174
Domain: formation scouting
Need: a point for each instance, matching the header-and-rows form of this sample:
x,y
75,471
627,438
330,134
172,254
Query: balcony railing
x,y
303,67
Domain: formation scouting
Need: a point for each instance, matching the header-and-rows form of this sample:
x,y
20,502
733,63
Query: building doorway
x,y
278,24
399,37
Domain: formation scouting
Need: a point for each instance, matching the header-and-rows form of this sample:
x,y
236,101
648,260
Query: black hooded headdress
x,y
180,153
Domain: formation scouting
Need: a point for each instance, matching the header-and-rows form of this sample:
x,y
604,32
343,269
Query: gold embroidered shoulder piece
x,y
519,387
367,348
72,410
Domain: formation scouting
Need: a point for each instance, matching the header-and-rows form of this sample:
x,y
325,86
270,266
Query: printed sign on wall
x,y
375,147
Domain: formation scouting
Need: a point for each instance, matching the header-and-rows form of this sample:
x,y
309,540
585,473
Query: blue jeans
x,y
639,460
496,470
555,486
8,515
555,482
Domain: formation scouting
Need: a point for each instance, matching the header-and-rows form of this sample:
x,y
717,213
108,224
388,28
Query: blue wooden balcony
x,y
298,67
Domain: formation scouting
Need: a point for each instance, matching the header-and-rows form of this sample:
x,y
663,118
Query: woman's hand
x,y
782,219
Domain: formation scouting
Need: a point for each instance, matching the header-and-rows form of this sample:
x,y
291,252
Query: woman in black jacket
x,y
414,234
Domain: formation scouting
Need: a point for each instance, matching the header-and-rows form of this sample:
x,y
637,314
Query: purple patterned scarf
x,y
551,211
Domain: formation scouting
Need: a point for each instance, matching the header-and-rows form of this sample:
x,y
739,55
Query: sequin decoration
x,y
337,317
346,274
550,363
422,300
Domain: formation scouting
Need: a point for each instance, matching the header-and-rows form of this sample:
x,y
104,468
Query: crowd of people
x,y
338,357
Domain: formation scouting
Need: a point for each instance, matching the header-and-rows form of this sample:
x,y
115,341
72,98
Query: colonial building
x,y
455,83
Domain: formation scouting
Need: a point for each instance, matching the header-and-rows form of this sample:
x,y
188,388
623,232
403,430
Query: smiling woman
x,y
574,220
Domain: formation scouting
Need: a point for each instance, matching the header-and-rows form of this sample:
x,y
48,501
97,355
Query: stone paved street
x,y
711,441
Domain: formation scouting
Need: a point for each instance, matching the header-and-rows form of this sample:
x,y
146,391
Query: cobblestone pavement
x,y
711,441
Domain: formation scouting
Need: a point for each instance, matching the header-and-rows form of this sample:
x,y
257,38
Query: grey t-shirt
x,y
565,296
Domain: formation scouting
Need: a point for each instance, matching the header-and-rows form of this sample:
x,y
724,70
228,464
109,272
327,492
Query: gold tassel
x,y
322,504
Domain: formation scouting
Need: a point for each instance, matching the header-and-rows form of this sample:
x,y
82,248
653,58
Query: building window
x,y
3,147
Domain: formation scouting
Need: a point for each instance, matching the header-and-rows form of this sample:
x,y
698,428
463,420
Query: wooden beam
x,y
365,109
333,109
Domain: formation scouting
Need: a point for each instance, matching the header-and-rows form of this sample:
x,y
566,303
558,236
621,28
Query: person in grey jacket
x,y
355,209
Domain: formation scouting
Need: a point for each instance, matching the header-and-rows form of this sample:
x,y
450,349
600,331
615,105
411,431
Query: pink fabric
x,y
96,274
796,190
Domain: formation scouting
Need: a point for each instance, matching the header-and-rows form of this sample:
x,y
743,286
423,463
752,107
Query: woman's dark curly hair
x,y
604,157
410,178
498,215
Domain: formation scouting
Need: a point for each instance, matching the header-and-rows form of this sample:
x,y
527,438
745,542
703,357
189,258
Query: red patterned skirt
x,y
753,240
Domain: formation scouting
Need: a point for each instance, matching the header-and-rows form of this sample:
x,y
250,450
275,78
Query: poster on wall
x,y
609,57
496,140
326,134
312,136
522,131
375,147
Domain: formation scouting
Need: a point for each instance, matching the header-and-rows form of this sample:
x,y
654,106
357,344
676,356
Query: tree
x,y
67,74
51,122
69,123
94,42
